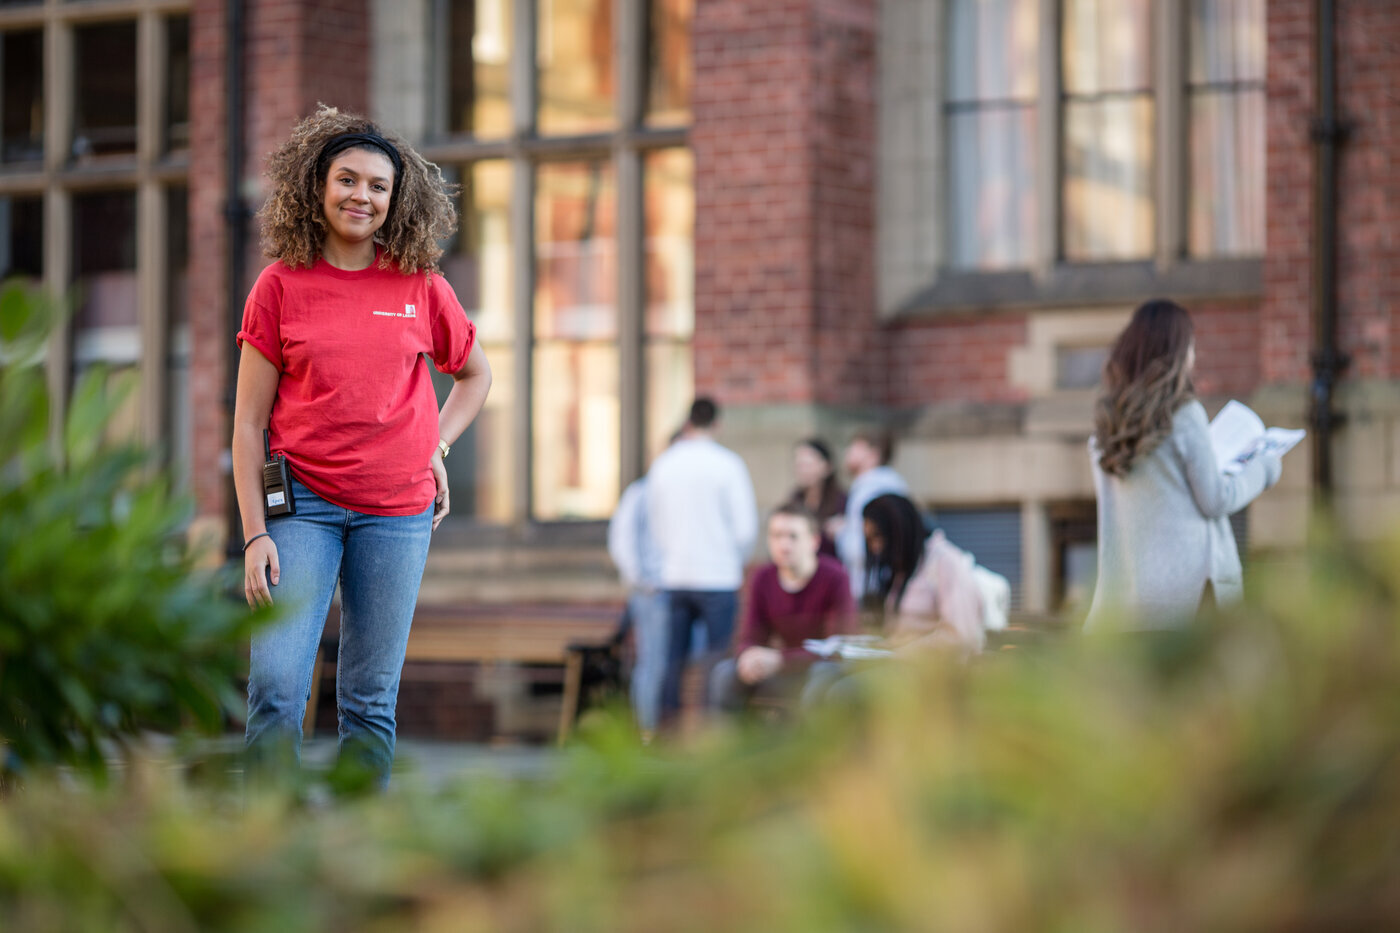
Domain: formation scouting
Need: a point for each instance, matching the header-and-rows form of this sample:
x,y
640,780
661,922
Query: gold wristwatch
x,y
444,448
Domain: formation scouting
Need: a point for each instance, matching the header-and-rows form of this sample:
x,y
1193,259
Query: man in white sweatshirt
x,y
702,516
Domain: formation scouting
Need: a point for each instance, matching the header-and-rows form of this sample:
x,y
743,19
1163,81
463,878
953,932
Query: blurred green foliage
x,y
1241,776
107,626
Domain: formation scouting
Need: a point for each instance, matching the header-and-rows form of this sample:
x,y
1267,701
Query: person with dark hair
x,y
700,507
868,461
1163,503
927,589
703,412
335,341
800,595
818,490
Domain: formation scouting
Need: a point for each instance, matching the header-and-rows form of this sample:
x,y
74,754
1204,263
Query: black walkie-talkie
x,y
277,483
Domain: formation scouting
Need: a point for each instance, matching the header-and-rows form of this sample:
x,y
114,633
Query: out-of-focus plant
x,y
107,626
1243,775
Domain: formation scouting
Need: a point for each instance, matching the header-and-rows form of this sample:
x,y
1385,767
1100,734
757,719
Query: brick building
x,y
932,214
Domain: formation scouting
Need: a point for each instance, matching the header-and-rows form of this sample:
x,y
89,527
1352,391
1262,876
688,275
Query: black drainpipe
x,y
1328,362
236,219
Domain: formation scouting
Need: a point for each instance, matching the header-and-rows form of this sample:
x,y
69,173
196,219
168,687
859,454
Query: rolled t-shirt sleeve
x,y
453,332
262,324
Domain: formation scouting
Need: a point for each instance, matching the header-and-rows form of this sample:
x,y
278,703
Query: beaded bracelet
x,y
261,534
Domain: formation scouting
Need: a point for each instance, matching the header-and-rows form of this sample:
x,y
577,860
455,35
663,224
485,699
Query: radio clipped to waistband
x,y
277,483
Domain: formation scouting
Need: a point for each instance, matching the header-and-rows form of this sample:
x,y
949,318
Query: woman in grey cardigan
x,y
1163,503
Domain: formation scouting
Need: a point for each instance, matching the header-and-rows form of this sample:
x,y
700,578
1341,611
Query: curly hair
x,y
421,211
1145,381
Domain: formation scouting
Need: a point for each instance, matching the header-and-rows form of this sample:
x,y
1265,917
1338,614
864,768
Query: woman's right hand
x,y
260,562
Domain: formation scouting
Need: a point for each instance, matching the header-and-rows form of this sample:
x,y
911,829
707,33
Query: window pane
x,y
177,89
22,237
575,406
177,396
669,67
577,433
670,374
104,99
670,243
480,470
1226,100
668,367
992,195
1227,174
991,131
575,62
575,252
22,98
479,56
107,325
1107,45
993,50
1079,367
1108,207
1227,41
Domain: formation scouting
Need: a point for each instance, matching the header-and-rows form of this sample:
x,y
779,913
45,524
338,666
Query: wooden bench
x,y
521,634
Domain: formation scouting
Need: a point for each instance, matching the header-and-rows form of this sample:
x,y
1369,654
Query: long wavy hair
x,y
1145,381
421,212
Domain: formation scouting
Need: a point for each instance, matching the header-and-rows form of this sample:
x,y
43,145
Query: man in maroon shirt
x,y
800,595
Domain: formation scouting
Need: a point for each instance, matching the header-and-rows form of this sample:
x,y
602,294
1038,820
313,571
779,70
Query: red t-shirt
x,y
820,609
355,413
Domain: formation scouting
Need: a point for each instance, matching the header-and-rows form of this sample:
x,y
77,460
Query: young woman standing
x,y
1163,503
333,343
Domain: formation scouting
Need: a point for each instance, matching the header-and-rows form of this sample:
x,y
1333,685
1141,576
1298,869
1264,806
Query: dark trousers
x,y
714,611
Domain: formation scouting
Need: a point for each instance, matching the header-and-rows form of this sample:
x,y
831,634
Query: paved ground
x,y
422,763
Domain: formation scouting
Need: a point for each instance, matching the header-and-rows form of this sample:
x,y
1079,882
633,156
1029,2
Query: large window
x,y
565,123
1071,150
94,204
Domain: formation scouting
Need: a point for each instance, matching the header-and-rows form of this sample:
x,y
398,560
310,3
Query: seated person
x,y
800,595
928,590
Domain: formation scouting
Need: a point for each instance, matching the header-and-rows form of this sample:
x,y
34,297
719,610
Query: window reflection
x,y
480,468
670,293
22,96
22,237
104,98
1109,211
991,124
107,325
479,79
575,410
1226,106
575,61
177,396
177,84
669,67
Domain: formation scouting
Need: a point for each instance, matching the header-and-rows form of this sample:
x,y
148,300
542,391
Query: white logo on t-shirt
x,y
408,311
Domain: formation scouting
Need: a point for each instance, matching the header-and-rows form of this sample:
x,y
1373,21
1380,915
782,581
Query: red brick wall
x,y
297,53
1285,329
851,361
960,359
784,140
1368,90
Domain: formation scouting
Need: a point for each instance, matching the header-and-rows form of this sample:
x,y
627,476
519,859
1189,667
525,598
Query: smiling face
x,y
358,186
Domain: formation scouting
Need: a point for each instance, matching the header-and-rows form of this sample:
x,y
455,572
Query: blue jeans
x,y
713,610
378,561
650,612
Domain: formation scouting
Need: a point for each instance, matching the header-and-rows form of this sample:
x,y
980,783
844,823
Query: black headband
x,y
338,144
